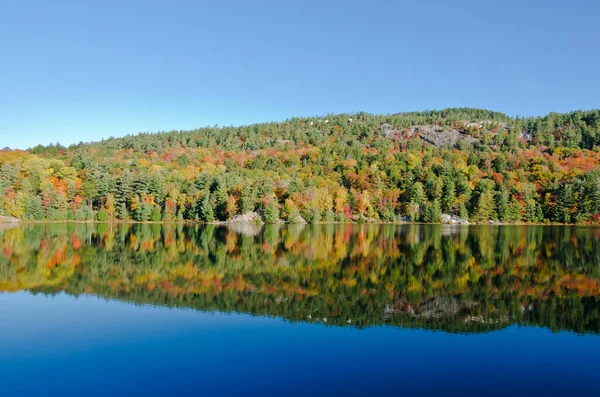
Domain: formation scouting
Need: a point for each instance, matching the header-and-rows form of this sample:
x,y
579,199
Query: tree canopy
x,y
358,167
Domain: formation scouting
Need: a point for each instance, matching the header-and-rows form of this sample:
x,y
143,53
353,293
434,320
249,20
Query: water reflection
x,y
456,279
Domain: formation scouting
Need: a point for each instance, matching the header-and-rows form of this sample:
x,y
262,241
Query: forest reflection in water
x,y
450,278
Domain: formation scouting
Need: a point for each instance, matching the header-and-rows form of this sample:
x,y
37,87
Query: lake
x,y
109,309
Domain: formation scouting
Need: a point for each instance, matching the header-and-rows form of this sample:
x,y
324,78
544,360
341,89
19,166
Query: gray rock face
x,y
246,229
442,136
438,136
9,219
298,219
247,218
453,220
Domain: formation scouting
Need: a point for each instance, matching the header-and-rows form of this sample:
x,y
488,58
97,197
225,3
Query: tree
x,y
484,210
231,207
564,203
206,209
109,205
514,211
433,212
271,212
247,200
156,215
102,215
371,168
502,198
417,194
123,213
449,195
463,213
33,208
413,211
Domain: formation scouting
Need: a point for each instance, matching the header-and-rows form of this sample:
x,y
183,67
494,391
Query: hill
x,y
476,164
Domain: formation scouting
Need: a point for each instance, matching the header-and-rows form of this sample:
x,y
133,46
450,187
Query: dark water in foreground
x,y
326,309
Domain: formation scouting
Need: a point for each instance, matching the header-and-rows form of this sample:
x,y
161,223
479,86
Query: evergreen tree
x,y
433,212
484,211
123,213
463,213
271,212
502,199
102,215
156,215
247,200
564,203
449,195
206,209
33,208
514,211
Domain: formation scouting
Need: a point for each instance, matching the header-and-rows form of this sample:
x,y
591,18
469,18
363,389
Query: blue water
x,y
63,345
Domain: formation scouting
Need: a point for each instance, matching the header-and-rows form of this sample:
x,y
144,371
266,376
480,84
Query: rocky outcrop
x,y
443,136
453,220
247,218
246,229
438,136
9,219
297,219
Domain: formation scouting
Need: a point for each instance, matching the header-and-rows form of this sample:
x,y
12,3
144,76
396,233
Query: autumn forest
x,y
478,165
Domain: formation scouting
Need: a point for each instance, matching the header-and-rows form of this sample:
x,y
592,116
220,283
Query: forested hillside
x,y
476,164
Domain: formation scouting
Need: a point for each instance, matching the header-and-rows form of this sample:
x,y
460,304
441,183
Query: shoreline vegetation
x,y
261,224
449,166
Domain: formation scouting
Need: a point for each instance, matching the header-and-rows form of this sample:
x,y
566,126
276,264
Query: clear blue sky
x,y
84,70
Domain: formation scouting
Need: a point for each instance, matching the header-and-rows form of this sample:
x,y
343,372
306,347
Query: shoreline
x,y
226,223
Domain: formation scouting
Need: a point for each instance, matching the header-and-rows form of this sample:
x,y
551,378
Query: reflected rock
x,y
245,229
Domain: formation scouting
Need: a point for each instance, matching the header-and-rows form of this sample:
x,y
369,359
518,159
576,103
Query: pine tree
x,y
33,208
463,213
532,208
502,198
564,203
417,194
123,213
102,215
433,212
145,212
484,210
449,195
156,215
514,211
271,212
206,209
247,200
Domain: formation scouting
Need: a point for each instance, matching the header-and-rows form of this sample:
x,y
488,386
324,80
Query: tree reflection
x,y
458,279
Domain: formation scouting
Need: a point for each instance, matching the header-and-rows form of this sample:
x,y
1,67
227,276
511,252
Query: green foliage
x,y
485,207
271,214
156,215
514,211
123,212
33,208
102,215
434,212
206,209
346,167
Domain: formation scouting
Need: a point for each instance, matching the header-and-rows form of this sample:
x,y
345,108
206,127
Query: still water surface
x,y
324,309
